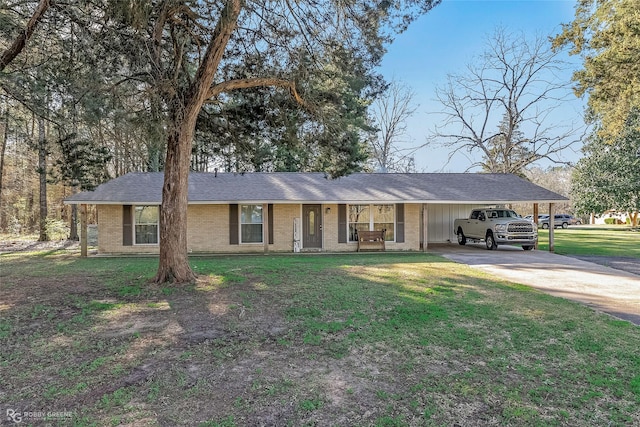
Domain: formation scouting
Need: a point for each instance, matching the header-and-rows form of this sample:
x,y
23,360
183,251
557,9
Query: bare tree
x,y
390,113
503,107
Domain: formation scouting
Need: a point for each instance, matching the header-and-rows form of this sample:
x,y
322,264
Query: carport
x,y
438,218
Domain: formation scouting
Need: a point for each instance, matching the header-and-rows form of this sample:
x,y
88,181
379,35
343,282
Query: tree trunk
x,y
73,224
174,261
4,133
42,172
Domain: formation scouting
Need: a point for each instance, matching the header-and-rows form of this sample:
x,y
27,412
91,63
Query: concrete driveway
x,y
606,289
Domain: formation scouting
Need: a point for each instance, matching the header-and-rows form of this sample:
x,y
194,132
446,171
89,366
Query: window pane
x,y
388,226
383,213
251,233
251,214
359,213
358,220
146,225
383,219
354,228
251,223
146,234
146,214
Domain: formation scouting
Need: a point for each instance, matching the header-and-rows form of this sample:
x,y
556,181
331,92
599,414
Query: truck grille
x,y
520,227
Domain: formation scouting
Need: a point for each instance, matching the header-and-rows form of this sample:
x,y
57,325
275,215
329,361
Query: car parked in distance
x,y
574,220
559,220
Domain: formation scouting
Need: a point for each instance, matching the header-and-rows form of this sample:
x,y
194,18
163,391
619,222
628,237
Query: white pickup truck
x,y
496,226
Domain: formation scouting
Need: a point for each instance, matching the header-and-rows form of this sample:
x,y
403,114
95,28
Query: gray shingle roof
x,y
297,187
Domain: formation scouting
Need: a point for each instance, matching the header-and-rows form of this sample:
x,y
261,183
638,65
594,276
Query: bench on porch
x,y
371,240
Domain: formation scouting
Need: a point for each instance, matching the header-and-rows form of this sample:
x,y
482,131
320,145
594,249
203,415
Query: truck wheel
x,y
491,243
565,225
462,240
545,226
527,247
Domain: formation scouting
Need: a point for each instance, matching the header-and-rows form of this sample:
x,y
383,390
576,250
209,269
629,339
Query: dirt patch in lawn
x,y
172,353
18,245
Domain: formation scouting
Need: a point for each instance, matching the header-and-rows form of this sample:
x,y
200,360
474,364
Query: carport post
x,y
265,227
552,246
425,233
535,220
83,230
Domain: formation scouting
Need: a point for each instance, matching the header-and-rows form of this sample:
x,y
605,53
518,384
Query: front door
x,y
312,226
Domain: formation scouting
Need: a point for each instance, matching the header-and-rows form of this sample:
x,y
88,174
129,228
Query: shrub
x,y
57,229
14,228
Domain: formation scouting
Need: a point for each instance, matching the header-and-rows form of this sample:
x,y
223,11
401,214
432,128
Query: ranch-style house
x,y
299,212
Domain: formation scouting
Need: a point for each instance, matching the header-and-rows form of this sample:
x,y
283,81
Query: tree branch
x,y
231,85
20,41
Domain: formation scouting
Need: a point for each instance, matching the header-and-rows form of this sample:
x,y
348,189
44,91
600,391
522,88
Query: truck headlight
x,y
501,228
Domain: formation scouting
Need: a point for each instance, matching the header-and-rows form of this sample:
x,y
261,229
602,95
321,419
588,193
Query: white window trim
x,y
133,229
371,222
240,224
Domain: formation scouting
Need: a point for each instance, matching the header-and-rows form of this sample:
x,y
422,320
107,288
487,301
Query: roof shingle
x,y
299,187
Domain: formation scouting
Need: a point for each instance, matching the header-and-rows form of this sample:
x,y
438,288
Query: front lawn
x,y
349,340
593,240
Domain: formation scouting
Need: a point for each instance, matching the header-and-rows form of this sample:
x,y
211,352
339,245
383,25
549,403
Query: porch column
x,y
425,228
535,220
265,226
83,230
552,244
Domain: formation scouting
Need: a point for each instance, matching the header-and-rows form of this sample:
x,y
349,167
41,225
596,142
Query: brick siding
x,y
208,230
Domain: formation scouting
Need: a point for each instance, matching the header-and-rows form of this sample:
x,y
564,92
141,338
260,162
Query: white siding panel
x,y
441,219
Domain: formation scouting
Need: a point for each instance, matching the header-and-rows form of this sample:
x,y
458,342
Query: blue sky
x,y
446,39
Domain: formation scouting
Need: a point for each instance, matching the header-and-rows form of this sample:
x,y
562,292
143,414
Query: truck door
x,y
474,223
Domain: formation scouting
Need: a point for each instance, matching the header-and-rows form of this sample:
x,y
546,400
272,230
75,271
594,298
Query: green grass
x,y
593,240
376,339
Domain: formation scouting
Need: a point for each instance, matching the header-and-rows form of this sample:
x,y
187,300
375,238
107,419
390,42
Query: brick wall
x,y
208,230
110,232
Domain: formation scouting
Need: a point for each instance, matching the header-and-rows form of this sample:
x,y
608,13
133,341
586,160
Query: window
x,y
146,225
358,220
371,217
251,224
312,222
383,219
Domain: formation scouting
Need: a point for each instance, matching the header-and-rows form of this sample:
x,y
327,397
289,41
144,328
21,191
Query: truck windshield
x,y
506,214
